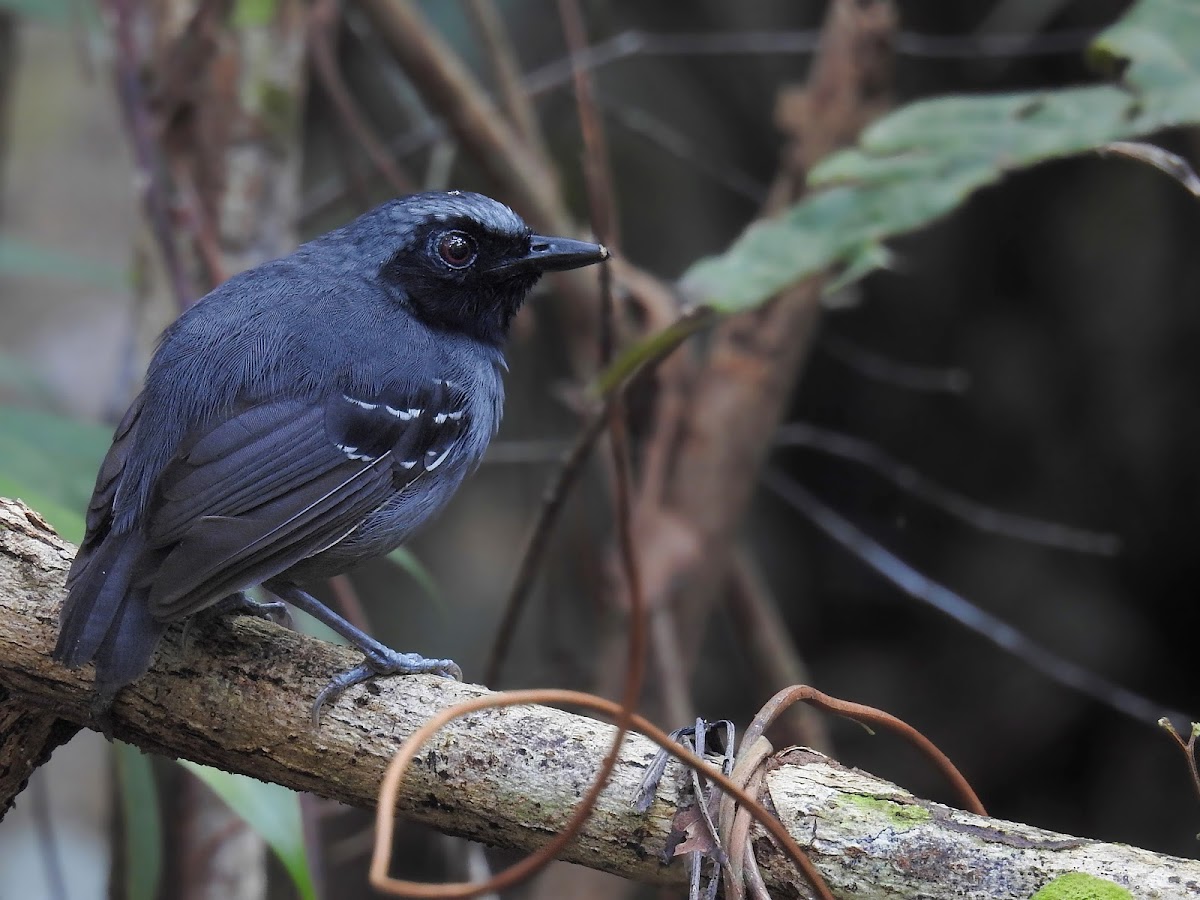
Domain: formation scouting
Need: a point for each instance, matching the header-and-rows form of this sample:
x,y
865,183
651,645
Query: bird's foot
x,y
240,605
383,662
380,660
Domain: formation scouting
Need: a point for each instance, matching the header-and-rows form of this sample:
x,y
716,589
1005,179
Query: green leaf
x,y
19,257
50,462
869,258
253,13
406,560
142,820
924,160
272,811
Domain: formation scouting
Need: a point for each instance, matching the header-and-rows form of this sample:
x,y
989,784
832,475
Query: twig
x,y
803,693
766,43
754,359
971,512
674,381
190,120
322,22
666,137
889,371
671,663
560,487
766,639
451,90
539,538
1188,747
657,622
345,149
642,123
601,199
611,414
421,131
941,598
503,58
631,44
598,178
399,767
141,137
192,209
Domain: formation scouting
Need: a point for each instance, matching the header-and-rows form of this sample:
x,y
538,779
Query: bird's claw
x,y
391,663
240,605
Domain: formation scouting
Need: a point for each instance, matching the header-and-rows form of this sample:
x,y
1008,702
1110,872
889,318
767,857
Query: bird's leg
x,y
380,660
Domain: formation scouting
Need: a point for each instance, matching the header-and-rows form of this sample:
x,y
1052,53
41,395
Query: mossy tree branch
x,y
238,694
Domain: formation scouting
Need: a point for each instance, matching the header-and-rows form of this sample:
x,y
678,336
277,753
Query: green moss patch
x,y
1079,886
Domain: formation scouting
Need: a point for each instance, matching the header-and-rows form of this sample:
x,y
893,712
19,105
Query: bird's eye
x,y
457,249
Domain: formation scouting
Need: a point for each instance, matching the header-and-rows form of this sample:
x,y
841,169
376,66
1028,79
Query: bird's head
x,y
466,262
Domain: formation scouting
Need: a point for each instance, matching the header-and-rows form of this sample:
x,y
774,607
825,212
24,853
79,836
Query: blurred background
x,y
1035,352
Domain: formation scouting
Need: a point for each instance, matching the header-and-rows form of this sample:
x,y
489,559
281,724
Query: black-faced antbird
x,y
306,415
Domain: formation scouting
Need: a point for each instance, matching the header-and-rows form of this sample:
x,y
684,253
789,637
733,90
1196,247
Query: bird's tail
x,y
106,619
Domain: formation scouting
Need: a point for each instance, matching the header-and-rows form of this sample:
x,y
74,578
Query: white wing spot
x,y
443,417
429,467
404,414
352,452
407,463
360,403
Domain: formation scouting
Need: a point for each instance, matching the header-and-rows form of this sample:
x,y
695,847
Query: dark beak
x,y
552,254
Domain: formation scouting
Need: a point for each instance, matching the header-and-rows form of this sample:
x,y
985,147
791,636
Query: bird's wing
x,y
276,483
100,507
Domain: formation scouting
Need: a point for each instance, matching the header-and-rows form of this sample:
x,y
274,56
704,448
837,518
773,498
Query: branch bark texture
x,y
237,696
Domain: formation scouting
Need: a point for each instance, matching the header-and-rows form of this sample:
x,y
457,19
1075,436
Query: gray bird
x,y
305,416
